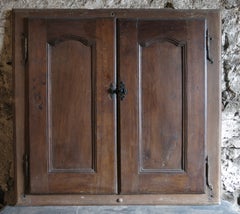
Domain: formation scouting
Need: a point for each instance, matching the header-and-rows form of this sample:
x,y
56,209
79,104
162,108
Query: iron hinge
x,y
26,168
25,49
208,184
208,41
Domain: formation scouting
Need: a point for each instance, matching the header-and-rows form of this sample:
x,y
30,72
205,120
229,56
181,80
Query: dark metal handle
x,y
208,39
120,90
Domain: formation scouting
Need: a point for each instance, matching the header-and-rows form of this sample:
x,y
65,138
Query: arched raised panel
x,y
161,106
65,38
71,124
158,40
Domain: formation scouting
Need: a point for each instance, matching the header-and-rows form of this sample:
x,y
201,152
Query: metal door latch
x,y
120,90
208,39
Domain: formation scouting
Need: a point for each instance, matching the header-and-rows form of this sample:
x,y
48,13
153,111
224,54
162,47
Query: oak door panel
x,y
71,118
161,106
70,127
162,119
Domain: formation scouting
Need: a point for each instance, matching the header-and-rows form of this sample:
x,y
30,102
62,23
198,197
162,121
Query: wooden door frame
x,y
212,193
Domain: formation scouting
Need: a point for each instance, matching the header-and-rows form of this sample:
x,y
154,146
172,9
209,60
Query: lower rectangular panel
x,y
167,199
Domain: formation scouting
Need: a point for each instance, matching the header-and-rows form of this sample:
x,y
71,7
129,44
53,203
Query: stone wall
x,y
230,81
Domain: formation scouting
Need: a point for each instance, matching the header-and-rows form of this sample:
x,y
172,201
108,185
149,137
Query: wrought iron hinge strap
x,y
208,40
26,169
209,185
25,49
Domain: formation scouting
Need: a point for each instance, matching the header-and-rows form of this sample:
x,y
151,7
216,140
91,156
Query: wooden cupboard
x,y
116,106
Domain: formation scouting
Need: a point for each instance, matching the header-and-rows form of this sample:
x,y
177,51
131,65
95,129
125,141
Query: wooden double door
x,y
116,106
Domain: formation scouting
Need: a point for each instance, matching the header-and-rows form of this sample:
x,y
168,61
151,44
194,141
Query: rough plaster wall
x,y
231,101
230,80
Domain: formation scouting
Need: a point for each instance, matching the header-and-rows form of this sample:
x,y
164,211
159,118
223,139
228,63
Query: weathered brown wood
x,y
117,13
163,65
214,105
143,199
36,106
161,144
71,139
19,101
71,110
162,114
213,110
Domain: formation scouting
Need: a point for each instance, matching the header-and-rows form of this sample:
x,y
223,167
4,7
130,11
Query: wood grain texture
x,y
161,144
213,108
214,105
71,107
36,101
139,199
66,104
165,107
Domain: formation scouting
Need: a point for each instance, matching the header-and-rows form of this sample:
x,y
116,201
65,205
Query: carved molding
x,y
183,46
91,45
147,43
84,41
